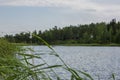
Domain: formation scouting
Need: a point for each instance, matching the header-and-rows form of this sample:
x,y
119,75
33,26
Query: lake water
x,y
99,62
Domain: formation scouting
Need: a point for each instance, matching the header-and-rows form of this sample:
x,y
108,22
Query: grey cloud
x,y
6,1
90,10
112,2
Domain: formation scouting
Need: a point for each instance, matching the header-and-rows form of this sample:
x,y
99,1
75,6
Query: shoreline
x,y
92,44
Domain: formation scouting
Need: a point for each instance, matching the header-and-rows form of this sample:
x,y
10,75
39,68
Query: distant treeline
x,y
102,33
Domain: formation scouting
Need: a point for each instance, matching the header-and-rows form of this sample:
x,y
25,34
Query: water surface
x,y
99,62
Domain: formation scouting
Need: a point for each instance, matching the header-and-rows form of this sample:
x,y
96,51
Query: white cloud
x,y
98,8
98,5
67,12
73,4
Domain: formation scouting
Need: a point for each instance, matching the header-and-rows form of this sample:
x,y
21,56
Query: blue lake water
x,y
99,62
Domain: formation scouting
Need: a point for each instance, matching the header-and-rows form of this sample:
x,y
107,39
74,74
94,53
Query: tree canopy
x,y
102,33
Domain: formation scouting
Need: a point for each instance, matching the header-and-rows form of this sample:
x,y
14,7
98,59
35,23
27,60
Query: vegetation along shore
x,y
94,34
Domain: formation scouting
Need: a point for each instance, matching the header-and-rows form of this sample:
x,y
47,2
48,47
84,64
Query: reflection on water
x,y
99,62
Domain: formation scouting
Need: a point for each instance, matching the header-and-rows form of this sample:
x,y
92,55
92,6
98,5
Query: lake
x,y
99,62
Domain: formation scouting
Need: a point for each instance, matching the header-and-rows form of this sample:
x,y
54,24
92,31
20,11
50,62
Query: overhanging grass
x,y
15,64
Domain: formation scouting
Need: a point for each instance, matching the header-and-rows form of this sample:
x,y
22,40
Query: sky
x,y
29,15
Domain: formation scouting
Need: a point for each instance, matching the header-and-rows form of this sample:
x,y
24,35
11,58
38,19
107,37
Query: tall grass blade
x,y
86,74
54,66
74,74
113,76
39,38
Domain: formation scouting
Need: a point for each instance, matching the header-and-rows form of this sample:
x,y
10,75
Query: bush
x,y
15,68
6,49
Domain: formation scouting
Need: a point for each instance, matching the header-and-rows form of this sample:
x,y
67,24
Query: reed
x,y
15,64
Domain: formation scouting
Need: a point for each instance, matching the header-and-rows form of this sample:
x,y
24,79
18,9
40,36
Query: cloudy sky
x,y
28,15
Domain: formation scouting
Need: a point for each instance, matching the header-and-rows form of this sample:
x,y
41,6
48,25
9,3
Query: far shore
x,y
93,44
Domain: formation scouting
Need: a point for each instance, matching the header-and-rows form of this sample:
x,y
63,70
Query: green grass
x,y
92,44
74,44
21,44
15,64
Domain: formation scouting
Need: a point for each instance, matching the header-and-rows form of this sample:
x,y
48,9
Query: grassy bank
x,y
21,44
70,44
89,44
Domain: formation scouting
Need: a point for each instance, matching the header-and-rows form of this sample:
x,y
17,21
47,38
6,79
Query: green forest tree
x,y
89,33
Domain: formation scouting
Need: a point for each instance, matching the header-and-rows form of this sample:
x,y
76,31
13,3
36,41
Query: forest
x,y
100,33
